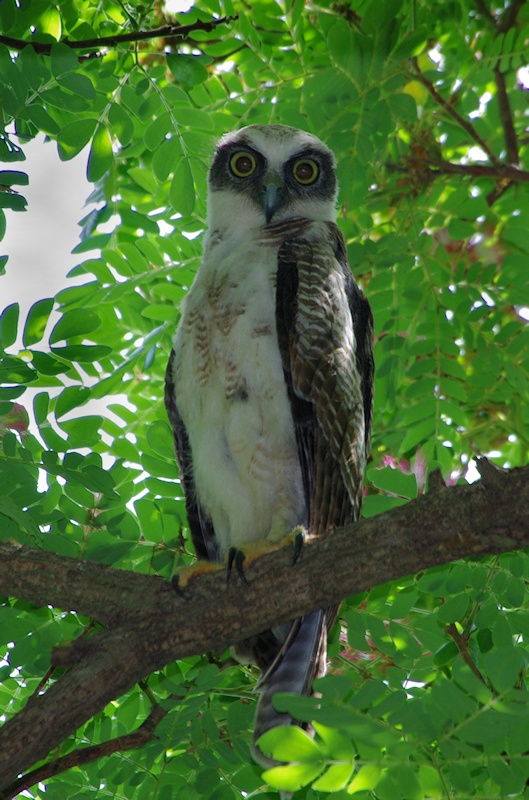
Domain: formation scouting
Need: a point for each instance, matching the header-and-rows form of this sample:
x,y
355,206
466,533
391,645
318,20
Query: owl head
x,y
265,174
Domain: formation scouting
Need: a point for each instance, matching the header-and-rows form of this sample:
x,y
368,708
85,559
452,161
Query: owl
x,y
270,382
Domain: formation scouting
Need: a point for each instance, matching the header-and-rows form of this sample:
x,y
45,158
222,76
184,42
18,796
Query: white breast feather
x,y
231,393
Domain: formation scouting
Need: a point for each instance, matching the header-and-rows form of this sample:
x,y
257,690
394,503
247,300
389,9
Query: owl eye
x,y
242,164
305,171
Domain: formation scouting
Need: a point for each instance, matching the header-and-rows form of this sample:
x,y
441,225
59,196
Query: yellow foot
x,y
183,575
247,553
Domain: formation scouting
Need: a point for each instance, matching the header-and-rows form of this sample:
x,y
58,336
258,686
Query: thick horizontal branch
x,y
165,32
153,626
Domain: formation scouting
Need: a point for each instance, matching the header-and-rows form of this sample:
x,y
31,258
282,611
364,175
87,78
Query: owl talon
x,y
175,583
236,557
298,544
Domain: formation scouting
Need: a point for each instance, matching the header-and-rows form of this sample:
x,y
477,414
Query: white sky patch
x,y
476,154
523,77
177,6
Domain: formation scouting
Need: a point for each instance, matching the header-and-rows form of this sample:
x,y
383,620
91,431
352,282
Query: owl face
x,y
270,173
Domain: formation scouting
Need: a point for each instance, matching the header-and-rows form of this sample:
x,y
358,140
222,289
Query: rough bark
x,y
148,625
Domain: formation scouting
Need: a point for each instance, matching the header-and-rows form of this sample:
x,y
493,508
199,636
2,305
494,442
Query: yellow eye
x,y
305,171
242,164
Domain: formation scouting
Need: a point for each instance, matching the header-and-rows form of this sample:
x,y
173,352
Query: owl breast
x,y
231,394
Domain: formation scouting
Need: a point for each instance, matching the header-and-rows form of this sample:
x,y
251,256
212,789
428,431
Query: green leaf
x,y
63,59
121,123
13,177
166,156
365,779
12,200
101,156
160,439
78,322
9,325
83,353
337,744
79,85
182,190
187,70
70,397
144,178
157,130
49,21
36,321
504,667
290,743
334,779
293,777
74,136
454,609
394,481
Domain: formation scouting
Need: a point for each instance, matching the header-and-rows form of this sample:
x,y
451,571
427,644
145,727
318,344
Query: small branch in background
x,y
486,13
461,643
165,32
511,140
499,172
424,172
451,111
510,15
501,26
85,755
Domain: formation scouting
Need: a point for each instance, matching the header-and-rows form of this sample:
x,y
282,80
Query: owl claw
x,y
299,538
175,583
236,557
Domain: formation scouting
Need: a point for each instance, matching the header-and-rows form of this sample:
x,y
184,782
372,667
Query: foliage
x,y
425,108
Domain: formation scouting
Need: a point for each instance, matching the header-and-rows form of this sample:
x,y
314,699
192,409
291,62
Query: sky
x,y
39,241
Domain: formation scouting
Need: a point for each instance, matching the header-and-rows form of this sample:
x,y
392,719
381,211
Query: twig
x,y
501,26
85,755
462,645
486,12
498,172
448,107
510,15
165,32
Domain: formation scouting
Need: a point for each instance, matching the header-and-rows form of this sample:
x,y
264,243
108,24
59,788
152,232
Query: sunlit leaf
x,y
74,136
289,743
101,156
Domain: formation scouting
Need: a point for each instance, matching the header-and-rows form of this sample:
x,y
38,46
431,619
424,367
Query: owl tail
x,y
299,662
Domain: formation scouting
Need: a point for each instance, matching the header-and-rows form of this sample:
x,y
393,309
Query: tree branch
x,y
504,107
149,625
165,32
451,111
499,172
428,169
85,755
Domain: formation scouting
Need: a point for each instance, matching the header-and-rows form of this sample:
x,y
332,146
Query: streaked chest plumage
x,y
231,393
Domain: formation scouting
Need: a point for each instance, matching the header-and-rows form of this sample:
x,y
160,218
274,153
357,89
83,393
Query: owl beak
x,y
273,195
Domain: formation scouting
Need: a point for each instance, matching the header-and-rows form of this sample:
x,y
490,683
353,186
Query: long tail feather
x,y
303,661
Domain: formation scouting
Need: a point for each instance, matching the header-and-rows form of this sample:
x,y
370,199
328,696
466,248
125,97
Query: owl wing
x,y
325,331
325,328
